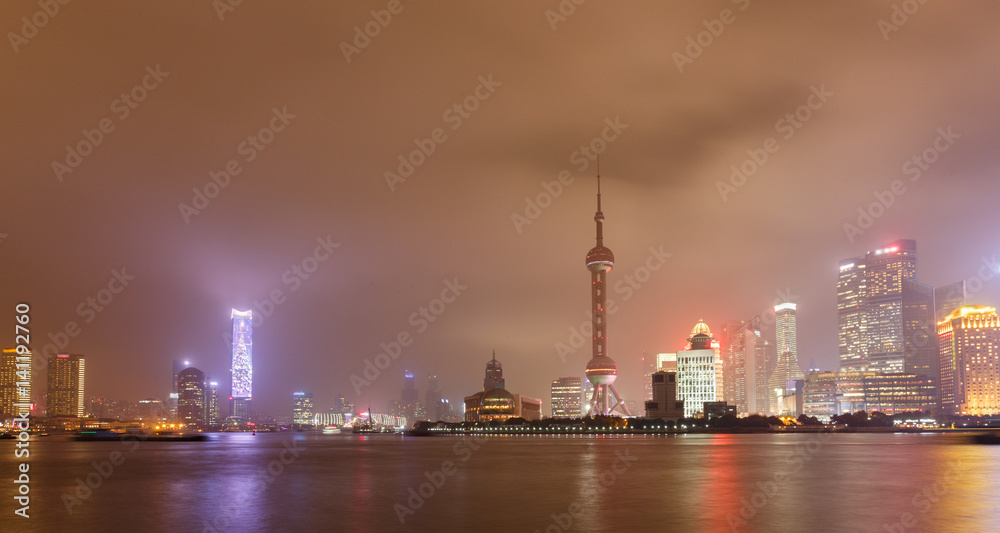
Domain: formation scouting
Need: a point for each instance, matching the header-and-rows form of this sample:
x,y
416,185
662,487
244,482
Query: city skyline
x,y
251,173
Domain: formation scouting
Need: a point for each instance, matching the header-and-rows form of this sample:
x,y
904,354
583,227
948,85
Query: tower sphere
x,y
602,370
600,258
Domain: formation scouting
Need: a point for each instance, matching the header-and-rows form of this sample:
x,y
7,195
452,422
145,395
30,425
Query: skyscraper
x,y
565,397
696,373
65,385
212,417
410,397
192,400
851,323
949,298
969,340
242,369
302,408
602,369
8,384
787,370
494,375
886,270
727,342
648,368
746,360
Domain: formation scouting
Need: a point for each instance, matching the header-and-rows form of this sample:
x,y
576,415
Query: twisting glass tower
x,y
242,372
601,370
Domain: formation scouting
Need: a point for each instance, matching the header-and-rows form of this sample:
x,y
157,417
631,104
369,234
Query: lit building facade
x,y
192,400
696,374
566,396
969,347
242,368
949,298
899,393
781,385
302,408
851,324
66,385
494,375
666,362
745,367
665,403
825,394
8,384
527,407
213,417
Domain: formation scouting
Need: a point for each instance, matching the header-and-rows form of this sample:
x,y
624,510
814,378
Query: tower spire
x,y
599,215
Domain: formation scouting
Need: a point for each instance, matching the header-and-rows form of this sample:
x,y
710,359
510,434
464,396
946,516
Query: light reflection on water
x,y
765,482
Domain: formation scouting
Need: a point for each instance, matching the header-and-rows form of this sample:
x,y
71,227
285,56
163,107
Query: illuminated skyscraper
x,y
8,387
565,396
65,385
781,386
949,298
969,341
242,369
727,342
602,369
851,323
746,365
696,372
302,408
192,400
212,418
886,270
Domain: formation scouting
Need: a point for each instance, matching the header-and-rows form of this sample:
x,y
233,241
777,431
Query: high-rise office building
x,y
747,379
178,365
726,343
781,384
192,400
666,362
566,395
494,375
969,342
648,367
716,345
949,298
8,384
302,408
851,323
66,385
410,398
212,417
696,371
887,269
242,369
665,403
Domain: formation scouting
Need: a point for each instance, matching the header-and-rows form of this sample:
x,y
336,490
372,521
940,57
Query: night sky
x,y
533,90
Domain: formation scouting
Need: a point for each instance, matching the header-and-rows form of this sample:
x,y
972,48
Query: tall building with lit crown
x,y
242,369
565,397
65,385
696,373
969,347
851,323
782,380
302,408
192,397
601,369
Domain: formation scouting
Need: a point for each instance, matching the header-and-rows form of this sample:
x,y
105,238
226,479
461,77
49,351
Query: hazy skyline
x,y
532,91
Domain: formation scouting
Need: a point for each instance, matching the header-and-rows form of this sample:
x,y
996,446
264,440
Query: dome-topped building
x,y
496,403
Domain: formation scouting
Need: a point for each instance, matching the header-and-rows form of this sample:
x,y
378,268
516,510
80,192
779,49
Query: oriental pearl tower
x,y
601,370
